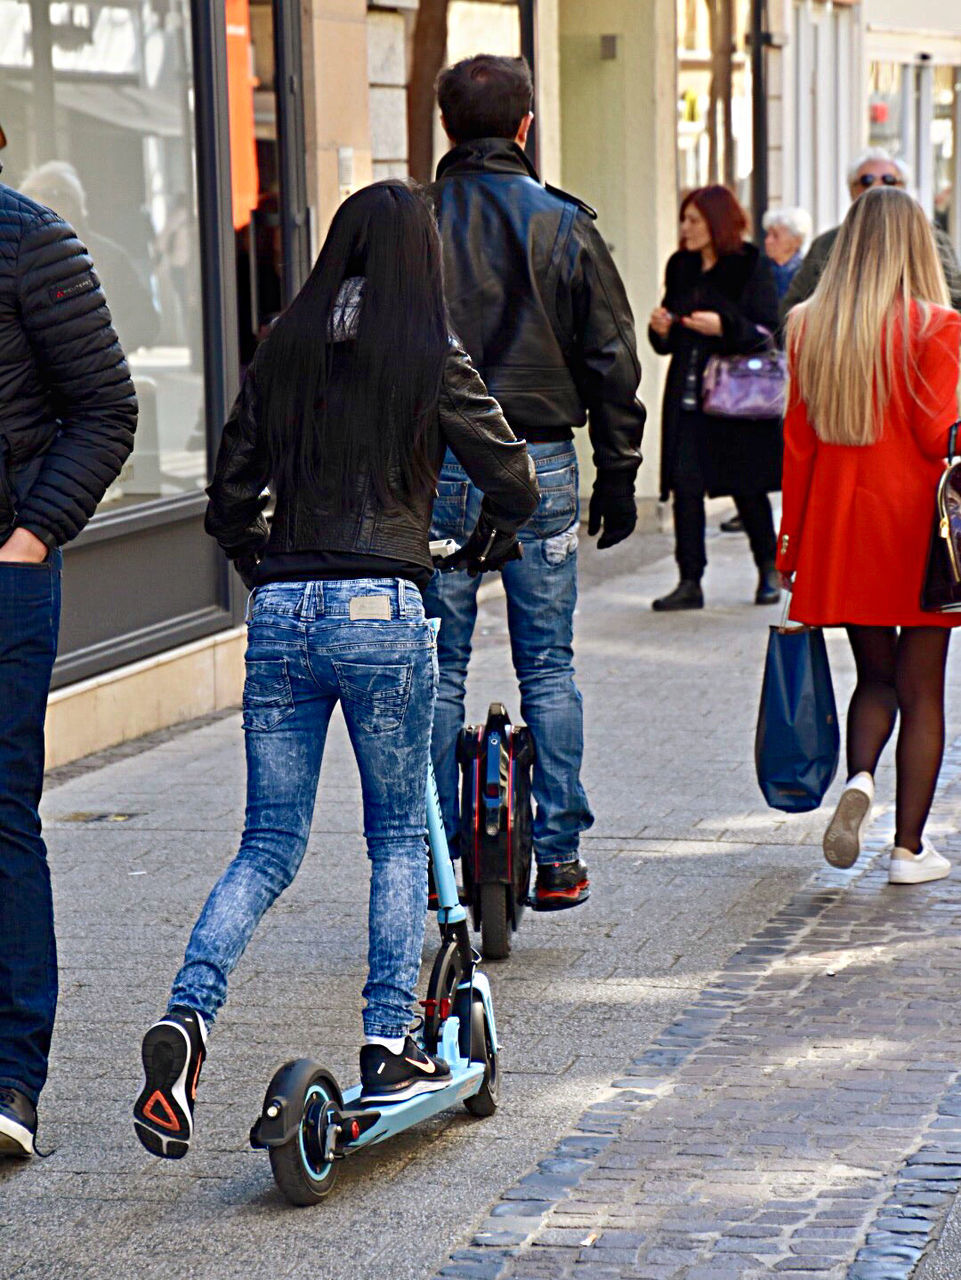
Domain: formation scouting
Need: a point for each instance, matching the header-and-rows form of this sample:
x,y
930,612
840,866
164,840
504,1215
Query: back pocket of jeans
x,y
375,696
450,509
268,700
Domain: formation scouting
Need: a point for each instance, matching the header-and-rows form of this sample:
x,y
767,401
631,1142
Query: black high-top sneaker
x,y
560,885
394,1077
18,1123
173,1052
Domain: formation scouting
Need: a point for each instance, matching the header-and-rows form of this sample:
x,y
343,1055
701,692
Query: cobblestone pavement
x,y
779,1048
801,1117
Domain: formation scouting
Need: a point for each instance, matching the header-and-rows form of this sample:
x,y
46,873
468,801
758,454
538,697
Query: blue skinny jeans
x,y
305,655
541,594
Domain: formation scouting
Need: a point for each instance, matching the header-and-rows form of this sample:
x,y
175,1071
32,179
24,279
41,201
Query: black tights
x,y
900,672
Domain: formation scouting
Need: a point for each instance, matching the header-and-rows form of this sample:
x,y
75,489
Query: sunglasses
x,y
887,179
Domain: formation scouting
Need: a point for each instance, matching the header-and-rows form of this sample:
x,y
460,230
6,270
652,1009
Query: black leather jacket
x,y
538,303
67,403
468,422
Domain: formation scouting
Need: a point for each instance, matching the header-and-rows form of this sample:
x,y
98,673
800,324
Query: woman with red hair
x,y
720,299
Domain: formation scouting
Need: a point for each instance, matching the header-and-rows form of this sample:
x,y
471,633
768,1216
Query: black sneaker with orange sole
x,y
560,885
387,1077
173,1052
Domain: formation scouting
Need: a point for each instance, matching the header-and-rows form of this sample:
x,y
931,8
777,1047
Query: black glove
x,y
612,503
485,551
246,566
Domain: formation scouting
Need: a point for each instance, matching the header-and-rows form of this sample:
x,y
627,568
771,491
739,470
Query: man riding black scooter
x,y
537,301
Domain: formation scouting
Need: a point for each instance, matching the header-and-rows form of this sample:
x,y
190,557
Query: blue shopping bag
x,y
797,744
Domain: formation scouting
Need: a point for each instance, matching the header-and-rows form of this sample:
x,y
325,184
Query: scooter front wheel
x,y
301,1167
484,1101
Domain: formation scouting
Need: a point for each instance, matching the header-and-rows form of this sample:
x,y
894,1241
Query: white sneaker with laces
x,y
845,831
917,868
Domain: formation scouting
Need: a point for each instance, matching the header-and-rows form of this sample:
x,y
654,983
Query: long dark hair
x,y
323,434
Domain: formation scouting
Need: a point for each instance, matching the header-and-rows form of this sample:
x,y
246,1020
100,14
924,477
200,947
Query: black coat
x,y
538,303
737,456
65,390
467,421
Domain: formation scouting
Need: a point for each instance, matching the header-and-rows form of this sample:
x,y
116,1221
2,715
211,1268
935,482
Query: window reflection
x,y
98,112
944,145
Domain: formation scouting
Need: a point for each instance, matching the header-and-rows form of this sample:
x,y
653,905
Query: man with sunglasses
x,y
874,167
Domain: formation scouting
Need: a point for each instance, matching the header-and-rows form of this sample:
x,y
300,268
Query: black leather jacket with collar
x,y
538,303
468,422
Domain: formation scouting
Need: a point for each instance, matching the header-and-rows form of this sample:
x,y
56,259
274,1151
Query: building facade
x,y
844,76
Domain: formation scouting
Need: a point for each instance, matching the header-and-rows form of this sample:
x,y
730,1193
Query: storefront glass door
x,y
915,112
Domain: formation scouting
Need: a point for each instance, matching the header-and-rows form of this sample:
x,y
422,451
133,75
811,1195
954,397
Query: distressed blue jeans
x,y
304,655
541,594
29,625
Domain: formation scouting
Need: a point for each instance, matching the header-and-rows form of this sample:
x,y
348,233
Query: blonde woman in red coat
x,y
874,360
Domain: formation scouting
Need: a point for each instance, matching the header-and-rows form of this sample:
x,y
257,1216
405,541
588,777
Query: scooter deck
x,y
466,1079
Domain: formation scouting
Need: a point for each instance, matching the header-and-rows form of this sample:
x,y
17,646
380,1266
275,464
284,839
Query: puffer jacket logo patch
x,y
60,292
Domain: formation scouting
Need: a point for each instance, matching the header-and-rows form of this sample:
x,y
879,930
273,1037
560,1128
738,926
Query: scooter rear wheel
x,y
301,1170
484,1101
495,922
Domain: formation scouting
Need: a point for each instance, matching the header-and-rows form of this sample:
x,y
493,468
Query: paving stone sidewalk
x,y
687,867
802,1117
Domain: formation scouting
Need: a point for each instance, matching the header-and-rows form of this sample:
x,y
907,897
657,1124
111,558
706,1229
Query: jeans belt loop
x,y
248,608
401,598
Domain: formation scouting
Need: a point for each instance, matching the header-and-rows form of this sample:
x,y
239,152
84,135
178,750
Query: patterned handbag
x,y
941,589
748,386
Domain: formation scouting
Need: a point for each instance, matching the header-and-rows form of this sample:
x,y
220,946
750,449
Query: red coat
x,y
857,519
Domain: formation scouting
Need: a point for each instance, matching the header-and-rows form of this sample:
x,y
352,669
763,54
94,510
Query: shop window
x,y
98,110
913,111
944,145
886,106
714,136
255,167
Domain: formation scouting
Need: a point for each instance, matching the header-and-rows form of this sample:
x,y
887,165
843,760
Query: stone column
x,y
618,152
337,113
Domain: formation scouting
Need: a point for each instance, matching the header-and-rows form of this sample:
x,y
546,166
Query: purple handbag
x,y
750,386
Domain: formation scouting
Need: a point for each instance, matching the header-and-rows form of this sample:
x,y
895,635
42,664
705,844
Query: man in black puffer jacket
x,y
67,418
538,303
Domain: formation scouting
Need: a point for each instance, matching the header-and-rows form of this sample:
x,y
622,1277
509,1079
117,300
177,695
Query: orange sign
x,y
244,175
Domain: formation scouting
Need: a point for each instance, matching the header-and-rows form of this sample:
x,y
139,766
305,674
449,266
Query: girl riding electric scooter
x,y
345,415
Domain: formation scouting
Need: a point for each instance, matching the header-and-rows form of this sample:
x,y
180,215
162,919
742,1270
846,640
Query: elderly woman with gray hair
x,y
786,233
874,167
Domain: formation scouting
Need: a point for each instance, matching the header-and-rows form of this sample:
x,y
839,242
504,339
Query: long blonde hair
x,y
843,338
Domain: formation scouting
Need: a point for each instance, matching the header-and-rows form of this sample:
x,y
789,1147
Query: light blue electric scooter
x,y
307,1125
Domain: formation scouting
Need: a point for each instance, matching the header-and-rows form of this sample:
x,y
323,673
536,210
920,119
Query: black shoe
x,y
173,1052
560,885
395,1077
686,595
18,1123
734,525
768,586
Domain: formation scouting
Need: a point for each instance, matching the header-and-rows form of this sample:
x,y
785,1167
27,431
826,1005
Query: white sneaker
x,y
916,868
842,839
